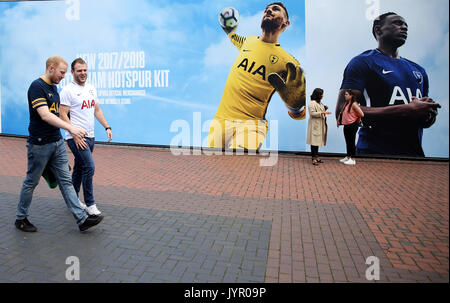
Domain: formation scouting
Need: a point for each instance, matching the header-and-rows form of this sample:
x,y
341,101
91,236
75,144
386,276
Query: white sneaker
x,y
350,161
93,210
343,160
83,206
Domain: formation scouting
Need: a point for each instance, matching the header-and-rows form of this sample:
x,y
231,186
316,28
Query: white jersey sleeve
x,y
65,96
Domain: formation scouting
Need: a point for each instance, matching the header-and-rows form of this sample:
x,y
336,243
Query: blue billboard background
x,y
158,62
174,52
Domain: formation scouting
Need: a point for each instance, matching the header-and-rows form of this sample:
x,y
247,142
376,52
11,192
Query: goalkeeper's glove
x,y
297,114
292,92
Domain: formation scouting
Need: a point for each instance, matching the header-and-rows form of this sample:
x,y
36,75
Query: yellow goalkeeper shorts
x,y
237,134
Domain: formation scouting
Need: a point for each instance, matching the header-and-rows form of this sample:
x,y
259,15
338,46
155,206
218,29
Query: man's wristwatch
x,y
106,128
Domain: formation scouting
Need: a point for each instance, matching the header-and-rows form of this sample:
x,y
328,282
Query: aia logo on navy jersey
x,y
418,76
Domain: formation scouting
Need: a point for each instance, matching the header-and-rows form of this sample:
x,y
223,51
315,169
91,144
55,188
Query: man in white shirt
x,y
79,108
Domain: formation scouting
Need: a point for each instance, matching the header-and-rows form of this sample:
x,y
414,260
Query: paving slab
x,y
199,218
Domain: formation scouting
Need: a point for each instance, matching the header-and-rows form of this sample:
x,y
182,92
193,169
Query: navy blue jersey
x,y
40,94
385,81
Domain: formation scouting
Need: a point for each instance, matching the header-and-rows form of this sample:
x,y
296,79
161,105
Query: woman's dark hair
x,y
352,100
317,94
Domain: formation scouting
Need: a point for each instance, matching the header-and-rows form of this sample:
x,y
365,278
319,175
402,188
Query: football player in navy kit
x,y
392,91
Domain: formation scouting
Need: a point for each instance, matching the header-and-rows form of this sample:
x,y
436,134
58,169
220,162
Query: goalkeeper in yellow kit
x,y
261,68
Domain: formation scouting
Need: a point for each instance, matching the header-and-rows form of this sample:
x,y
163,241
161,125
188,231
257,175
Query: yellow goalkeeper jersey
x,y
247,91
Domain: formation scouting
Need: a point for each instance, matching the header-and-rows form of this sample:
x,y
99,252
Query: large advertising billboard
x,y
160,67
338,31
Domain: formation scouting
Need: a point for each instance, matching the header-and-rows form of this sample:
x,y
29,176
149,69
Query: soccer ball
x,y
229,19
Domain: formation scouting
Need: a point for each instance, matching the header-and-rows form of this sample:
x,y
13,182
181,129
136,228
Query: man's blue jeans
x,y
55,155
83,169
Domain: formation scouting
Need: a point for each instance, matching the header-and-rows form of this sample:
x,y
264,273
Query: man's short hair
x,y
282,5
55,60
77,60
379,21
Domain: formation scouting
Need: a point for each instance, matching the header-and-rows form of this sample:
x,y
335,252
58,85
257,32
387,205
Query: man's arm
x,y
51,119
237,40
64,115
418,112
101,118
340,103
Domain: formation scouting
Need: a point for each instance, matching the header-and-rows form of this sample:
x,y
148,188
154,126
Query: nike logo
x,y
246,50
387,71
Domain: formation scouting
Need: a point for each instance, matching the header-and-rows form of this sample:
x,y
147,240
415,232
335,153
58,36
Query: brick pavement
x,y
292,222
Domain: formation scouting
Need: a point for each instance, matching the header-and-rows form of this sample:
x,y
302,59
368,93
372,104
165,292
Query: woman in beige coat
x,y
317,125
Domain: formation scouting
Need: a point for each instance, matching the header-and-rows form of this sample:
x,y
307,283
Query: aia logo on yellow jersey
x,y
273,59
261,70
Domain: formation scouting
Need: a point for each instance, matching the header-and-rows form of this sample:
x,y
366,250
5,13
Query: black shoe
x,y
90,221
25,225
